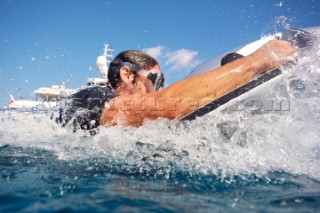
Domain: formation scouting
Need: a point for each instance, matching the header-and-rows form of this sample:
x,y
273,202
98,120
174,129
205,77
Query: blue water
x,y
34,180
239,161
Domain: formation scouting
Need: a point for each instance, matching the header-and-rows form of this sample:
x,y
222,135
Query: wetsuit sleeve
x,y
83,109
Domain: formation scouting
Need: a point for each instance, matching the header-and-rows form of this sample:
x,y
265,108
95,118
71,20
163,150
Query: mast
x,y
105,53
104,60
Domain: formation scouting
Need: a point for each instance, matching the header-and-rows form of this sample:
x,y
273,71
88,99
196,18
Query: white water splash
x,y
226,144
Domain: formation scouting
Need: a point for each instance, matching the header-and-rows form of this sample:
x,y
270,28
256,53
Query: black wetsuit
x,y
84,108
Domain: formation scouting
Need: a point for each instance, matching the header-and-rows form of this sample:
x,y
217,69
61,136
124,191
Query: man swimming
x,y
133,95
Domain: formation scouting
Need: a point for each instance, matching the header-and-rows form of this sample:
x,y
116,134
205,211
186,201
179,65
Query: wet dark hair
x,y
136,57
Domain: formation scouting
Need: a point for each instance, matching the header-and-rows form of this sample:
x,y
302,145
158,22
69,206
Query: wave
x,y
223,144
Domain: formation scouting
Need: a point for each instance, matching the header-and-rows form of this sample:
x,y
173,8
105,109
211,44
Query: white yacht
x,y
102,65
53,93
51,96
30,105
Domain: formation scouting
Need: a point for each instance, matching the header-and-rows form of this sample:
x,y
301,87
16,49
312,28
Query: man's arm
x,y
187,95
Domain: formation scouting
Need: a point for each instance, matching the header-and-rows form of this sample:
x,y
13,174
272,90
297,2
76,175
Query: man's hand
x,y
274,54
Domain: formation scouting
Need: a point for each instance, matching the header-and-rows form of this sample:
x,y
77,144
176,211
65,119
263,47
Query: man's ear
x,y
126,75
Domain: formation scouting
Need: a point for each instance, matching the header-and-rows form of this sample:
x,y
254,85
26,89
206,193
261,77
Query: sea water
x,y
226,161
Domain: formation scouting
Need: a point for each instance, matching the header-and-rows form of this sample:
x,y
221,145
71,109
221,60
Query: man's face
x,y
141,83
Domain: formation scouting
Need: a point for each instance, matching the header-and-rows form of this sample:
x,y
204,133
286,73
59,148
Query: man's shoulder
x,y
95,92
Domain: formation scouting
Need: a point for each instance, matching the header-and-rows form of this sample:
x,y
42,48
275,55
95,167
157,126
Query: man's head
x,y
134,72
